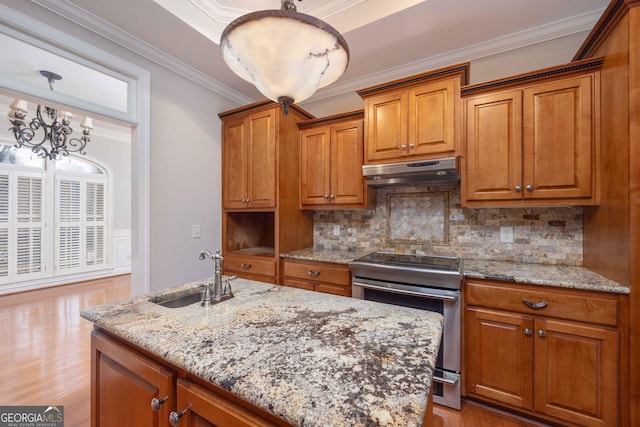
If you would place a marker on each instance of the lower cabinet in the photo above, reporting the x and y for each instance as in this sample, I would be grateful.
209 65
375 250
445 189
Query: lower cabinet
130 389
553 353
318 276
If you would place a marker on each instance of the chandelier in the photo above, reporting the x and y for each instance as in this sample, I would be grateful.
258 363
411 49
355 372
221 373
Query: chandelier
287 55
55 133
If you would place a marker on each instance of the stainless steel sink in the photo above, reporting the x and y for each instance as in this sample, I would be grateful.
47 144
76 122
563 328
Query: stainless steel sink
179 299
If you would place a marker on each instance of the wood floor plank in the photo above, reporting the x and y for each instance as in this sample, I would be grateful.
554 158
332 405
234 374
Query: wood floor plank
45 354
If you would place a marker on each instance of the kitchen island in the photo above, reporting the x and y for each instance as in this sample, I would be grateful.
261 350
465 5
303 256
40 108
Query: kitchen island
297 357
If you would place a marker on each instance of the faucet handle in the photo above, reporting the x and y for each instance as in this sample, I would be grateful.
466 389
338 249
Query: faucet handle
226 291
218 255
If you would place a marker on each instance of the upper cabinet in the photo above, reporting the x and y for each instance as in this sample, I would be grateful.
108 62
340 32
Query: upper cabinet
414 118
533 144
331 155
249 160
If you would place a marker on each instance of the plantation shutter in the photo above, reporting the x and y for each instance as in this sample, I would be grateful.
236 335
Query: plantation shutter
95 224
29 225
68 230
4 224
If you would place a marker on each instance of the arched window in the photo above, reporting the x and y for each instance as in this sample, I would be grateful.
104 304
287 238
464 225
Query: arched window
71 195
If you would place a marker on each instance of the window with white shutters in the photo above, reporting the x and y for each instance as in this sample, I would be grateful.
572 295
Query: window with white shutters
22 225
71 196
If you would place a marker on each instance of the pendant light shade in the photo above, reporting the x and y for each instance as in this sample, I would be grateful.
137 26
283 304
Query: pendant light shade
287 55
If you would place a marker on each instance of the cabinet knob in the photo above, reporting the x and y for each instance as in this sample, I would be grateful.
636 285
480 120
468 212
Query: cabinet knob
326 196
541 333
246 266
411 146
156 403
174 417
518 189
332 196
529 187
528 332
403 146
313 273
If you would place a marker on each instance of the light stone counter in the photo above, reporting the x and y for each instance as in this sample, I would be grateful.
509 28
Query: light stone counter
309 358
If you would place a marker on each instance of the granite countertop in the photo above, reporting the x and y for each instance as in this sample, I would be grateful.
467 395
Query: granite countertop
309 358
532 274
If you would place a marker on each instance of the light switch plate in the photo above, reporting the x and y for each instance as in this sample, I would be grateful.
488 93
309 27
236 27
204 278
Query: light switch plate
195 231
336 230
506 234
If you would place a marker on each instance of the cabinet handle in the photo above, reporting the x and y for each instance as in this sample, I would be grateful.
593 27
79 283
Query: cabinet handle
174 417
313 273
518 189
541 333
529 187
534 305
528 332
246 266
156 403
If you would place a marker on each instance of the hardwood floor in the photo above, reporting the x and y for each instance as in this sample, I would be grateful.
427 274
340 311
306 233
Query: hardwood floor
45 354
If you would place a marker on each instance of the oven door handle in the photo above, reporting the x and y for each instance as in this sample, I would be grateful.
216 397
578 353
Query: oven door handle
407 292
444 380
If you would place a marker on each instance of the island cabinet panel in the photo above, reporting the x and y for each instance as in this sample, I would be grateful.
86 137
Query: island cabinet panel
533 145
317 276
523 353
123 385
204 408
261 214
414 118
331 157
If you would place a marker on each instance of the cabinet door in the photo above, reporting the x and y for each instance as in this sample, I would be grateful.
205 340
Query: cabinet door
386 118
315 165
203 408
493 154
432 117
559 139
235 163
347 183
575 371
262 159
499 349
123 385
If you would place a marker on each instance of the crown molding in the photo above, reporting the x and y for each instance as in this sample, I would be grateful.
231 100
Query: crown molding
521 39
97 25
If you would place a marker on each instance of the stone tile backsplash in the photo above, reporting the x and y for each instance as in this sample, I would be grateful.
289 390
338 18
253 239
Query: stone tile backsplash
430 220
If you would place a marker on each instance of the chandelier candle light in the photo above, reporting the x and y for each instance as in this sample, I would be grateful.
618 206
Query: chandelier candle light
287 55
55 133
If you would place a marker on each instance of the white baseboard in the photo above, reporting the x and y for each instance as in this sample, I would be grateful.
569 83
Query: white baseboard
31 285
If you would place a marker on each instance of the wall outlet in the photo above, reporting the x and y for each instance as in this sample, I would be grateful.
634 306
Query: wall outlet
506 234
336 230
195 231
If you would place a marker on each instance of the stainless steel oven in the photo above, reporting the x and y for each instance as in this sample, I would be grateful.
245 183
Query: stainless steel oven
423 282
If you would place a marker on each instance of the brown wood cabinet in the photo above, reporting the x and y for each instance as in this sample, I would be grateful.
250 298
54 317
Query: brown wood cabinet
552 353
331 156
261 214
534 144
124 383
414 118
317 276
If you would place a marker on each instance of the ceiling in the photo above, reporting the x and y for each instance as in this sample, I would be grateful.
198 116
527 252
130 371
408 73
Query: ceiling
382 35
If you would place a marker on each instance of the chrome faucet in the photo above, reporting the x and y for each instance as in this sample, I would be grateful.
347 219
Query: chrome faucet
216 294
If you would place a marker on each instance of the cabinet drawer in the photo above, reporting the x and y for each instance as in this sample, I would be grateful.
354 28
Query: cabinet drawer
575 305
265 267
317 272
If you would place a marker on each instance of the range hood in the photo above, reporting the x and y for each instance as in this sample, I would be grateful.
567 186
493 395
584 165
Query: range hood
422 172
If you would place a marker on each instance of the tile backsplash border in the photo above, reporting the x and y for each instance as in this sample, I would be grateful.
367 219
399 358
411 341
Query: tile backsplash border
550 235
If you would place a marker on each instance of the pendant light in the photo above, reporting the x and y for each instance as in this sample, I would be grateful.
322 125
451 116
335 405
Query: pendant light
287 55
